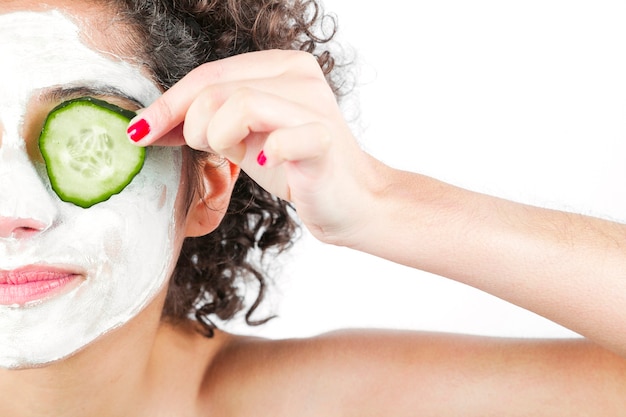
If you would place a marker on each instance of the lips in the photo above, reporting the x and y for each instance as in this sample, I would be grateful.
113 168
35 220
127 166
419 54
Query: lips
25 285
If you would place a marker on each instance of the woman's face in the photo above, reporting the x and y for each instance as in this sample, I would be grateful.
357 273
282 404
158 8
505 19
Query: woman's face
68 274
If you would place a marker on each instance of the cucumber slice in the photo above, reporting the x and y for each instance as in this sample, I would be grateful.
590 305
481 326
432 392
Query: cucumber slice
87 153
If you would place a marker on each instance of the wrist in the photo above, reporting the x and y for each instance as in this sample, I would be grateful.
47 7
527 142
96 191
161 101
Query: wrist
411 219
388 201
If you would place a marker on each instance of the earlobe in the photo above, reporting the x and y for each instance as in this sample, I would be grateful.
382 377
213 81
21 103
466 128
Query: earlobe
207 210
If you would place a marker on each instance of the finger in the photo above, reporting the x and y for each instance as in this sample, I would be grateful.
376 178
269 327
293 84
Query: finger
298 161
169 110
305 144
251 111
206 104
172 138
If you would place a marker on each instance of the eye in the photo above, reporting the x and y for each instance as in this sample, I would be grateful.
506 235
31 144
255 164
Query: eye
86 151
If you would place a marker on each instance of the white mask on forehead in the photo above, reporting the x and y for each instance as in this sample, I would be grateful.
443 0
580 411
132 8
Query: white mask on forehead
125 247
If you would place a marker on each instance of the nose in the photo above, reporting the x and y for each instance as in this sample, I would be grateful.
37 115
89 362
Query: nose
26 206
15 227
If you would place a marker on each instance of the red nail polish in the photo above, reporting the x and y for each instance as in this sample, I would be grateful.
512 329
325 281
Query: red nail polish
261 159
138 130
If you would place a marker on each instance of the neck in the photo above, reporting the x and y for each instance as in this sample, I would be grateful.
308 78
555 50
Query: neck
113 367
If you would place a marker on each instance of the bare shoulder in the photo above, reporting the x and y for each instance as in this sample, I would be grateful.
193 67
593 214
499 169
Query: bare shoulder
371 373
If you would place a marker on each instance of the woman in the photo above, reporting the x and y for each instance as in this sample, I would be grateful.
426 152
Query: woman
108 336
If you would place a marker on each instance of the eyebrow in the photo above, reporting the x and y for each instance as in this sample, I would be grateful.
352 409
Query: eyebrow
58 94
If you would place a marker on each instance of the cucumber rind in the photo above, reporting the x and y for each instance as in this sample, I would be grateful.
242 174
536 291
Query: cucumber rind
96 182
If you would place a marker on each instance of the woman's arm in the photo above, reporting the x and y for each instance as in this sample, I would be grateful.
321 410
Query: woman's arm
567 267
354 373
272 113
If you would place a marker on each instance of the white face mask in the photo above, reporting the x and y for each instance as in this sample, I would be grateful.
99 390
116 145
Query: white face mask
124 247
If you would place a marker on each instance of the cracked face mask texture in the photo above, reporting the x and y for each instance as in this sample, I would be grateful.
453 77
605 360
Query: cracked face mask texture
123 248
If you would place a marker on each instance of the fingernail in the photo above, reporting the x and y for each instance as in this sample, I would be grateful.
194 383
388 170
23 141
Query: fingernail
261 159
138 130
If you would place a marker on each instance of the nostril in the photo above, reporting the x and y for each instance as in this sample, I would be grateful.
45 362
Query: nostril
12 227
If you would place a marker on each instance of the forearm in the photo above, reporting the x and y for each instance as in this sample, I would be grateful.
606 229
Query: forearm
566 267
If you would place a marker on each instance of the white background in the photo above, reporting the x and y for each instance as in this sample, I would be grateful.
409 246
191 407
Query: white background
525 100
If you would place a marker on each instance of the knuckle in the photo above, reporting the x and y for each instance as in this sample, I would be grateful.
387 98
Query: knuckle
244 99
303 62
323 135
208 72
320 87
162 110
208 101
326 105
194 138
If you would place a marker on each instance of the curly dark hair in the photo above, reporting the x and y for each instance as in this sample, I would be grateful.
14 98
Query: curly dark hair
176 36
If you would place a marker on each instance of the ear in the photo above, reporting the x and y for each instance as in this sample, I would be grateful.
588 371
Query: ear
207 211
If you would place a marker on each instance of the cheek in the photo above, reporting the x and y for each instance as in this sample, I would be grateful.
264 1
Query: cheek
155 189
140 223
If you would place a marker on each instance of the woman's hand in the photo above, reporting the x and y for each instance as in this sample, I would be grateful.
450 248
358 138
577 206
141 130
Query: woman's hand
568 268
273 114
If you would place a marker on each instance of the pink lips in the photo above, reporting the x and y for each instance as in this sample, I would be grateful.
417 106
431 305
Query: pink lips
29 284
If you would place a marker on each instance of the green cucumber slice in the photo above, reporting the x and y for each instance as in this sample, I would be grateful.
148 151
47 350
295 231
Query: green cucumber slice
86 150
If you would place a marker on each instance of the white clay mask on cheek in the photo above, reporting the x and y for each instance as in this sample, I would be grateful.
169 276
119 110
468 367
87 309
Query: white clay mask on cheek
125 247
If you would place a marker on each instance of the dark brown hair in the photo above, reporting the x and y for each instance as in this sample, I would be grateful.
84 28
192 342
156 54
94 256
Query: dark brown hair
177 36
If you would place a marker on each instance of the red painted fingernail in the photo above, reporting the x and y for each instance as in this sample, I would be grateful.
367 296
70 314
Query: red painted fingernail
261 159
138 130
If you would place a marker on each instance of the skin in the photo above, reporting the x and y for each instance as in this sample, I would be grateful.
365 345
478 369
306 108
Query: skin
576 274
127 354
148 367
100 245
575 278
